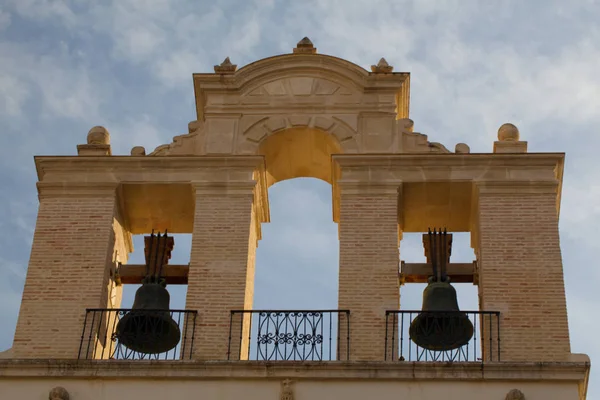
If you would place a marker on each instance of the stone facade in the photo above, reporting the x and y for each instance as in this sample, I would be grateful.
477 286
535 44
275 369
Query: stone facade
298 115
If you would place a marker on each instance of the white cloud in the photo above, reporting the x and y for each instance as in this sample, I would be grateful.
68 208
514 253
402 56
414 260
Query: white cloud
13 94
54 11
136 132
5 19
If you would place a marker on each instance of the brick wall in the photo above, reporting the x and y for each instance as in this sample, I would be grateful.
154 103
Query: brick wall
368 277
68 272
521 272
220 266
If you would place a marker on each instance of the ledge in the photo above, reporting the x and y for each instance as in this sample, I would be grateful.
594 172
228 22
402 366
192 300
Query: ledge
576 371
110 165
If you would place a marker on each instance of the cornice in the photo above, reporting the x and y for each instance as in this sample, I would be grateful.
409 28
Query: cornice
76 189
219 188
406 371
449 160
45 164
367 188
521 187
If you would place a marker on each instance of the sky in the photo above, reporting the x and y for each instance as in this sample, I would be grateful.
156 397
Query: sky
66 66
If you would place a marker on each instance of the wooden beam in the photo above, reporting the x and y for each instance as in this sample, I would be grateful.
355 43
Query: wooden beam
134 273
420 272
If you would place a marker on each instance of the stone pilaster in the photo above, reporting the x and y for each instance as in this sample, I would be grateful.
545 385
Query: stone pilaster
369 258
221 276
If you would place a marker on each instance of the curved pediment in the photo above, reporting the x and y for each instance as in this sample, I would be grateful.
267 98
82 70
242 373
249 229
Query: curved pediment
363 111
324 79
331 68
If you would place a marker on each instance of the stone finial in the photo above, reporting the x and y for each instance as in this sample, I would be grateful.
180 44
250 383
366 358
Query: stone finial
98 135
509 141
226 67
462 148
98 143
382 67
508 133
287 393
138 151
515 394
305 46
58 393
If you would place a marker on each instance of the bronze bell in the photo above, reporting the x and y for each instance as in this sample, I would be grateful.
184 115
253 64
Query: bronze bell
148 328
440 326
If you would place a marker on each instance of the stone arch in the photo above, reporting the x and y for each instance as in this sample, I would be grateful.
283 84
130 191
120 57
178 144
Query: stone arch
299 152
341 129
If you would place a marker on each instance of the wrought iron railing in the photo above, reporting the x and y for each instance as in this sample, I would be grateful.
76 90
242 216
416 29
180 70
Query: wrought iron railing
290 335
484 345
99 339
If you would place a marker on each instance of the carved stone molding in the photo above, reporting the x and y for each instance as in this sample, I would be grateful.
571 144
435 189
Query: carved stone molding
515 394
287 391
58 393
76 189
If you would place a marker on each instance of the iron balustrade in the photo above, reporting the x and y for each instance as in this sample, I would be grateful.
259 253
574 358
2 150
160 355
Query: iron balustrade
99 340
483 346
289 335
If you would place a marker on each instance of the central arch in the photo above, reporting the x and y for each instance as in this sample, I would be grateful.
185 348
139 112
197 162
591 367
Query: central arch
299 153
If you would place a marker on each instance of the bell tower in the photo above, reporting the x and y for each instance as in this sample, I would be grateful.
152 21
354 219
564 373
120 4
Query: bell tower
301 114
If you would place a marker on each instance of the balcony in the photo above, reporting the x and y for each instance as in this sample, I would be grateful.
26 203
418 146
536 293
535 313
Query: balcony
100 338
484 345
289 335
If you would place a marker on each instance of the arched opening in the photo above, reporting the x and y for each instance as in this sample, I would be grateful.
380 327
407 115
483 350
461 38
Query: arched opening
177 292
298 257
412 251
299 153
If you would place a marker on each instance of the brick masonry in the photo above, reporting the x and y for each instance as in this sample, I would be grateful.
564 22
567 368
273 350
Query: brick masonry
221 267
72 252
521 273
368 278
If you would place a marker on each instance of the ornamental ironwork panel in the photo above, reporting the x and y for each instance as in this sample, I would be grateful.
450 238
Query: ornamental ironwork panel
483 346
289 335
99 339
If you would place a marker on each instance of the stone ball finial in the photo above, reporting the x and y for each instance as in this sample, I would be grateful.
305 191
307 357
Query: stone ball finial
58 393
508 133
138 151
462 148
98 135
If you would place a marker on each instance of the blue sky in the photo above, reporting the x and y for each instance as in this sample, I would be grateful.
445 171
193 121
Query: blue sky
66 66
